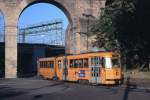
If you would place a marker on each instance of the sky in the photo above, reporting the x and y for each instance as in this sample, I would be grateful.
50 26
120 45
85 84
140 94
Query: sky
41 12
1 27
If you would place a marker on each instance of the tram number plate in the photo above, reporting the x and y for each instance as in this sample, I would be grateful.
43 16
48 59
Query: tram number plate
82 73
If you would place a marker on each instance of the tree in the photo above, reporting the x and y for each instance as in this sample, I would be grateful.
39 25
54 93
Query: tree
104 30
117 29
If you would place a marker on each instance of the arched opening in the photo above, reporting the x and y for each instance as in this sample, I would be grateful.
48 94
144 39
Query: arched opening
41 33
2 45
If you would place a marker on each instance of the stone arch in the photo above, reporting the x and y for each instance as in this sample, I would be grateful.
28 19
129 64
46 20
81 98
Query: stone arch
24 6
73 9
62 5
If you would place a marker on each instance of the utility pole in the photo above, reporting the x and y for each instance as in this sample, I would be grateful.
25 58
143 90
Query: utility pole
149 62
46 29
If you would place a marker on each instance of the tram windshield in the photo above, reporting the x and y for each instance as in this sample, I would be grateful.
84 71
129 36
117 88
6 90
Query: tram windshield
115 62
112 62
108 62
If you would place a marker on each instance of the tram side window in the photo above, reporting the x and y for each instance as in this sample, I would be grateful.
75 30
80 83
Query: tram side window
59 64
80 62
76 63
71 63
85 63
96 61
51 64
48 64
100 61
44 64
41 64
103 62
92 62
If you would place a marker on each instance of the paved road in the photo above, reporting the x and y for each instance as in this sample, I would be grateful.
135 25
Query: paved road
35 89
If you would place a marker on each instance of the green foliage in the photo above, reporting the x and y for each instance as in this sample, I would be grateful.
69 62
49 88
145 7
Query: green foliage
104 29
117 29
113 23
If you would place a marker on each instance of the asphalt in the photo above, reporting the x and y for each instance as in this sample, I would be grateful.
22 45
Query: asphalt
38 89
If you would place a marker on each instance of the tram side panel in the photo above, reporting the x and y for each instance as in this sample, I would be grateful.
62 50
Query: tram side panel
51 69
72 70
113 74
43 68
78 69
46 69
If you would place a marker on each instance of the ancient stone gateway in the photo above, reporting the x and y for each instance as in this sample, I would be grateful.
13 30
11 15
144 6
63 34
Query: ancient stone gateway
77 11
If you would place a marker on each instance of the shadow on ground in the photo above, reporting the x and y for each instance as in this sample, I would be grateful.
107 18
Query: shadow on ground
7 92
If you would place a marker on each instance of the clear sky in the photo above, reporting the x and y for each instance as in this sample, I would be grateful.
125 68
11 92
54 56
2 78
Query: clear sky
1 27
41 12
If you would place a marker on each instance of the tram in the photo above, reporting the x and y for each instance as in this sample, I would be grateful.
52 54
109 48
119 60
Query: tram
96 68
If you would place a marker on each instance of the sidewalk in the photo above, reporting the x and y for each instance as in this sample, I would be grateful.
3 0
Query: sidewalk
138 79
141 83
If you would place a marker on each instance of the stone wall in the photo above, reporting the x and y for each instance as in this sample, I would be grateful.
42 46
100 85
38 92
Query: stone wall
74 10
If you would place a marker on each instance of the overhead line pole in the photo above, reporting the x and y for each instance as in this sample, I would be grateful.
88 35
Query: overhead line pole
41 28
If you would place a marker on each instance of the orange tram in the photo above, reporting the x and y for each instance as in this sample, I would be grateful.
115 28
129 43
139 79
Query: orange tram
97 68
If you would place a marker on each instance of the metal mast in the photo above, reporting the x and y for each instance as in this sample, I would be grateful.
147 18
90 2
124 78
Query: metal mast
47 30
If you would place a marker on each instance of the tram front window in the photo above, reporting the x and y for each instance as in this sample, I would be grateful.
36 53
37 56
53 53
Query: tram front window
108 62
115 62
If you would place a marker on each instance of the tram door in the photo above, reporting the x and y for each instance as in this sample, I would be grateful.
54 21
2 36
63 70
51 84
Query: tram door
65 70
95 70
